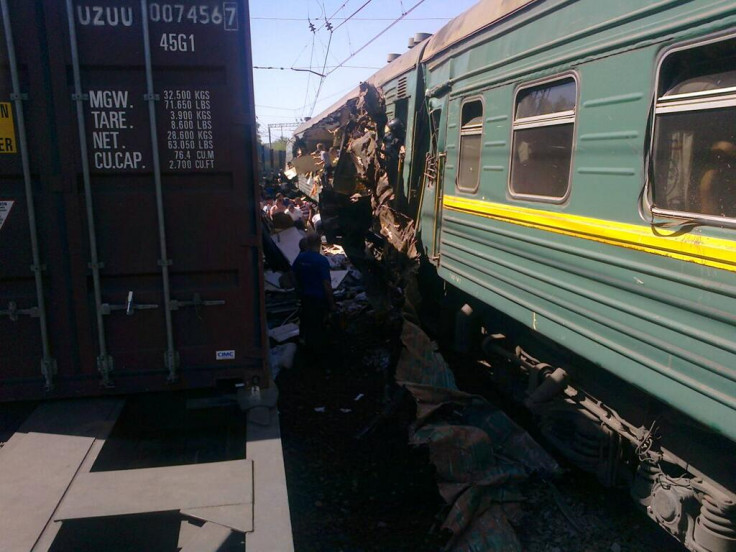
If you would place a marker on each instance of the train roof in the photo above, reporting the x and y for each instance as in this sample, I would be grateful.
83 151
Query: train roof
484 14
399 66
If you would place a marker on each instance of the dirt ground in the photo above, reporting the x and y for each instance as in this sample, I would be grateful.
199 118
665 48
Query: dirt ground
353 489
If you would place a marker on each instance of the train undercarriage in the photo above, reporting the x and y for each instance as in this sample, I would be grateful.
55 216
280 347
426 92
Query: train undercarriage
606 427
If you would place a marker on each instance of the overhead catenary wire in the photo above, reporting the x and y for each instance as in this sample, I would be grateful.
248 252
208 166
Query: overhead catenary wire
322 78
341 92
302 69
309 76
329 69
349 17
351 56
301 19
307 69
327 52
328 19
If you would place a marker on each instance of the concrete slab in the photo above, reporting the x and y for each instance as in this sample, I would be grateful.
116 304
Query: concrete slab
187 531
34 475
39 462
237 518
208 538
113 493
271 517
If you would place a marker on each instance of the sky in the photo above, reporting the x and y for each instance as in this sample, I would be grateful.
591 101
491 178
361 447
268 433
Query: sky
281 38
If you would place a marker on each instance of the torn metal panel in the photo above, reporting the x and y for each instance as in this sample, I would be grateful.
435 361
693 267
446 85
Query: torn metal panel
288 242
336 114
345 178
400 232
479 453
304 164
284 332
337 276
273 255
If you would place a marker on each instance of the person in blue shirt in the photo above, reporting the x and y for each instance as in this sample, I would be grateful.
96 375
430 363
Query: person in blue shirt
314 288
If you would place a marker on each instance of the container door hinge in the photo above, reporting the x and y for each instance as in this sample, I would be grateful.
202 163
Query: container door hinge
13 312
152 97
129 306
22 97
80 97
105 366
49 369
196 302
172 361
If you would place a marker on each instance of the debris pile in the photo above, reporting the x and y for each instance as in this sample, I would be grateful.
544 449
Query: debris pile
283 308
480 455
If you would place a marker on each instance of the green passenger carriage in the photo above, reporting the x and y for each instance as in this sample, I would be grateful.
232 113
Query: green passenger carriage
572 169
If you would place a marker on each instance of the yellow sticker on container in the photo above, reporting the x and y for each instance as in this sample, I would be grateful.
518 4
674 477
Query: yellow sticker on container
7 129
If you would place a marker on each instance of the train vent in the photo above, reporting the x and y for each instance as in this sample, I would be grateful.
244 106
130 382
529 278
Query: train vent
402 88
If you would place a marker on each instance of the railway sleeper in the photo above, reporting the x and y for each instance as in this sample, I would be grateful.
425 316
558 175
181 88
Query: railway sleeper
690 505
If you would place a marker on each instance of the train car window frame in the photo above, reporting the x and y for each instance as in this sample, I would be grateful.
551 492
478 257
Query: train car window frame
541 121
685 181
472 129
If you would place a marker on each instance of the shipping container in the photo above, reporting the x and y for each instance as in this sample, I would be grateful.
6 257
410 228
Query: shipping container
130 250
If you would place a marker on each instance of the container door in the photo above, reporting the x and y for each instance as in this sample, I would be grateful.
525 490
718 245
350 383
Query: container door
159 103
35 336
145 137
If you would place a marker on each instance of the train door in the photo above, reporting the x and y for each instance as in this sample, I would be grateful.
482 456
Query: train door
432 182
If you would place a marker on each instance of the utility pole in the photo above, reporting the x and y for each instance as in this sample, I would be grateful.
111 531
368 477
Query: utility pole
270 146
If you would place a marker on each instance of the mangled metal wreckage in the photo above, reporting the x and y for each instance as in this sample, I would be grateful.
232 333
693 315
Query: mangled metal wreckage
479 453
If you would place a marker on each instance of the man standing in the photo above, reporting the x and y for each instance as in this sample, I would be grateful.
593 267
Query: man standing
314 288
324 162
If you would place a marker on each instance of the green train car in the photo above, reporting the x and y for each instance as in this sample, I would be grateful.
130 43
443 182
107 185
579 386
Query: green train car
572 169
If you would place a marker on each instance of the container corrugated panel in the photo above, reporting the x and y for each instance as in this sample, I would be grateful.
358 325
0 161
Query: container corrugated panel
129 239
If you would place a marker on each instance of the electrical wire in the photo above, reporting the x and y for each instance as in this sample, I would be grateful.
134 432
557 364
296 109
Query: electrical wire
329 19
349 17
322 78
307 69
309 75
375 37
302 20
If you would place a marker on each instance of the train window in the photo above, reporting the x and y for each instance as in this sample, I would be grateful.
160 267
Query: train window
694 155
544 121
471 132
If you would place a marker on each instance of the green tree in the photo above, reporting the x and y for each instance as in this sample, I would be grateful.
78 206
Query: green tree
280 144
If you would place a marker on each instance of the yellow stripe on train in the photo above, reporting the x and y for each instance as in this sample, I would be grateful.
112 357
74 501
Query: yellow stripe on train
713 252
